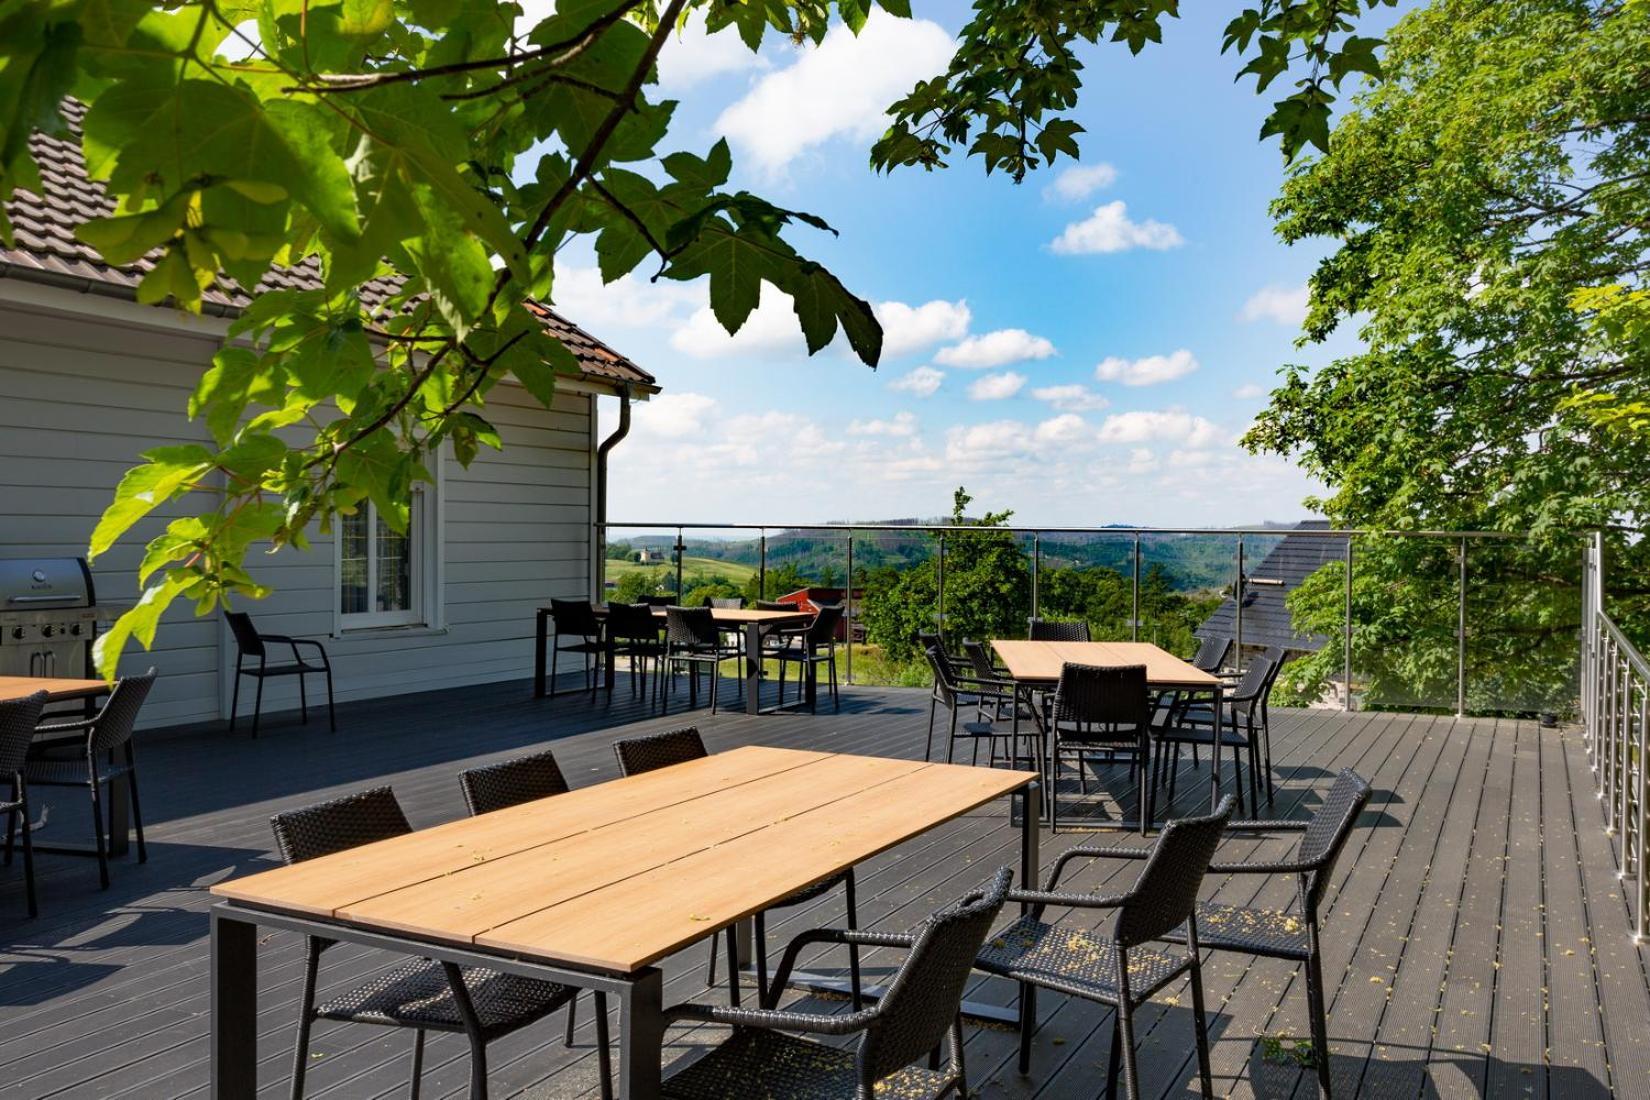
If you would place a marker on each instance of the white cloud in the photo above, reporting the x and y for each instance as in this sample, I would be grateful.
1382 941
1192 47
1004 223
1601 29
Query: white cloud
693 55
841 88
1141 461
1148 371
1063 430
673 415
923 381
995 387
1159 426
1285 305
969 444
909 328
771 330
1071 398
995 349
627 302
1109 229
1249 391
1080 181
899 425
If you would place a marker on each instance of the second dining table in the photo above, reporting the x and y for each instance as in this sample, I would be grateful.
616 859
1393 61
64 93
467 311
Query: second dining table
594 887
66 689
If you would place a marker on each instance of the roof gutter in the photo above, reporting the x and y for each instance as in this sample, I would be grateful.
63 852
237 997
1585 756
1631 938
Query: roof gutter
607 445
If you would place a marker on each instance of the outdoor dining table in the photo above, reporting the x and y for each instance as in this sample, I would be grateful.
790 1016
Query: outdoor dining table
592 888
755 623
60 689
1035 666
57 689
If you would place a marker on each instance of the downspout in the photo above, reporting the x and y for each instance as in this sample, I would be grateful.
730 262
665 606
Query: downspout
600 529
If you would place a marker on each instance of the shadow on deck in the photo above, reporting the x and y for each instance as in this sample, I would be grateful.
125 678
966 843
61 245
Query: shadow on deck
1476 937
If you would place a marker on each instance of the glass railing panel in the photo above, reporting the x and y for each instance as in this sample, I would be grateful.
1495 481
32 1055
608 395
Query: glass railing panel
1089 576
1523 616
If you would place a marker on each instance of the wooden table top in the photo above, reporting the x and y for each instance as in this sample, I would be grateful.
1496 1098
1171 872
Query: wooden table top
1040 662
58 689
616 876
739 616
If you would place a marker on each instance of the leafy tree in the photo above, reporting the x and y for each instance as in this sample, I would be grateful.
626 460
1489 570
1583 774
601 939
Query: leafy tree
1486 202
381 141
638 583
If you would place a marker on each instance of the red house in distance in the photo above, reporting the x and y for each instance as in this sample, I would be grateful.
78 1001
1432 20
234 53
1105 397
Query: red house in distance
812 599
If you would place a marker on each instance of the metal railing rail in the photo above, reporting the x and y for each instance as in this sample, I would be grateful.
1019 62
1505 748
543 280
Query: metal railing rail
1615 707
1461 541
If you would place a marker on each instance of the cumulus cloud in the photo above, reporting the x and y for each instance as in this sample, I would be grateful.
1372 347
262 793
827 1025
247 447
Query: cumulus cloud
923 382
1159 426
1109 229
1071 398
1148 371
841 88
995 349
627 302
995 387
1249 391
1063 430
1285 305
1080 181
673 415
770 330
694 55
910 328
899 425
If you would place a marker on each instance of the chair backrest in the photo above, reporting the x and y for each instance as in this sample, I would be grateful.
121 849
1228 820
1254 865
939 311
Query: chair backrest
921 1002
1058 630
824 627
18 717
339 824
981 660
945 682
246 635
1326 834
575 618
1089 695
632 622
774 605
512 782
660 750
659 601
1211 652
1255 679
1165 895
691 626
113 725
725 603
927 639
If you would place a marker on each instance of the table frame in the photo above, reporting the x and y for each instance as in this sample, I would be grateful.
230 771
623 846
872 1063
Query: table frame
640 993
119 839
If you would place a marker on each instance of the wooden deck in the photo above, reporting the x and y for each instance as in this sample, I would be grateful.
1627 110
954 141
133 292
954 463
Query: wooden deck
1477 937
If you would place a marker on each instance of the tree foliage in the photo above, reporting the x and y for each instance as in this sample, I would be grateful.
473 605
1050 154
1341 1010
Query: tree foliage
427 159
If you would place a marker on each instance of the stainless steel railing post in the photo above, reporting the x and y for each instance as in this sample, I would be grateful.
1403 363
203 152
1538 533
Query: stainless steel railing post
1346 630
1461 636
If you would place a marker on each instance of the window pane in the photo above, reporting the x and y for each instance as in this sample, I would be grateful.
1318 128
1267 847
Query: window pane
394 570
352 588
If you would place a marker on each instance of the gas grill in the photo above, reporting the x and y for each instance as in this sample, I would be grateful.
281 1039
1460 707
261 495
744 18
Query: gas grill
48 616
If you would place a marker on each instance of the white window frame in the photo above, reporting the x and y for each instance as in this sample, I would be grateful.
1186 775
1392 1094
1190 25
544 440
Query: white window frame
425 552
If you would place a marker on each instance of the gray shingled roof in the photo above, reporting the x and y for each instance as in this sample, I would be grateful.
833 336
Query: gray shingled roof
1266 620
47 251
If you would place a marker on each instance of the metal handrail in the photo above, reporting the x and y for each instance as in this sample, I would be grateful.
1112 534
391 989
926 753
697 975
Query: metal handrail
1046 529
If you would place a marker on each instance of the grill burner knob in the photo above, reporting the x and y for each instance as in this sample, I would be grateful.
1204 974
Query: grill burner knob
16 632
47 630
75 629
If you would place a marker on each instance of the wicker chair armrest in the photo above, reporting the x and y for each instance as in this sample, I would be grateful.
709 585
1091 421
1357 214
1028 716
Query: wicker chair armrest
814 1023
1092 853
77 726
1266 826
1282 867
1066 899
858 937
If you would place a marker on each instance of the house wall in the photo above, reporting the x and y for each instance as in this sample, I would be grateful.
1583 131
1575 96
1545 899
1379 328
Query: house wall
86 384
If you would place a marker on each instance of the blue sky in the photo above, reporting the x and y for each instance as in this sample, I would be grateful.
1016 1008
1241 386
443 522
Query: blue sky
1083 348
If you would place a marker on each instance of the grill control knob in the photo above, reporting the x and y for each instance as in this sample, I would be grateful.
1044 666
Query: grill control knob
16 632
47 630
75 629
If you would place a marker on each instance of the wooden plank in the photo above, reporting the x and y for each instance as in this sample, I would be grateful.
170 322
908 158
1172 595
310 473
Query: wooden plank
472 900
640 920
322 887
1040 662
58 689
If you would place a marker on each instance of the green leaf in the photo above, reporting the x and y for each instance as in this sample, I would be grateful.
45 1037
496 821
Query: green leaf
169 472
140 622
365 18
225 389
736 266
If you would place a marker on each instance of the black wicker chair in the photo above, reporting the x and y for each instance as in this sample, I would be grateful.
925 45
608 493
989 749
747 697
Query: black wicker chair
725 603
633 630
774 605
1116 970
809 649
1002 700
1057 630
18 718
92 753
420 994
579 631
1211 653
1292 934
251 644
914 1017
692 639
511 783
1100 710
957 695
662 750
927 639
1193 726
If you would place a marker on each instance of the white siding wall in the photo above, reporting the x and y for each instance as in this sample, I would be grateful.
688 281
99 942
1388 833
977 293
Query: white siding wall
81 396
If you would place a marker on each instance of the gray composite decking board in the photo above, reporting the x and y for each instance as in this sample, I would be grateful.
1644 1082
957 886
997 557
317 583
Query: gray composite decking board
1472 792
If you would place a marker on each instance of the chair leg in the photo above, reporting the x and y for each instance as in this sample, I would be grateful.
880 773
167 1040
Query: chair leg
234 700
853 949
11 823
604 1057
300 1054
572 1017
417 1063
332 714
28 845
478 1068
1131 1075
97 835
957 1058
733 967
1028 1023
1319 1021
759 948
928 747
257 707
715 949
1114 1061
951 737
137 813
1200 1026
715 670
303 698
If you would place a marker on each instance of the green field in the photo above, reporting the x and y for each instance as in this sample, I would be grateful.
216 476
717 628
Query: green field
731 571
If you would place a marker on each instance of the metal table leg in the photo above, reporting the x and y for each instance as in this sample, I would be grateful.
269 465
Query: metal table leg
1220 729
641 1035
542 629
234 1008
753 668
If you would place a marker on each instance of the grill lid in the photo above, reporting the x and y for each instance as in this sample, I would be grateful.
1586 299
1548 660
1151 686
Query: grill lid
45 583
